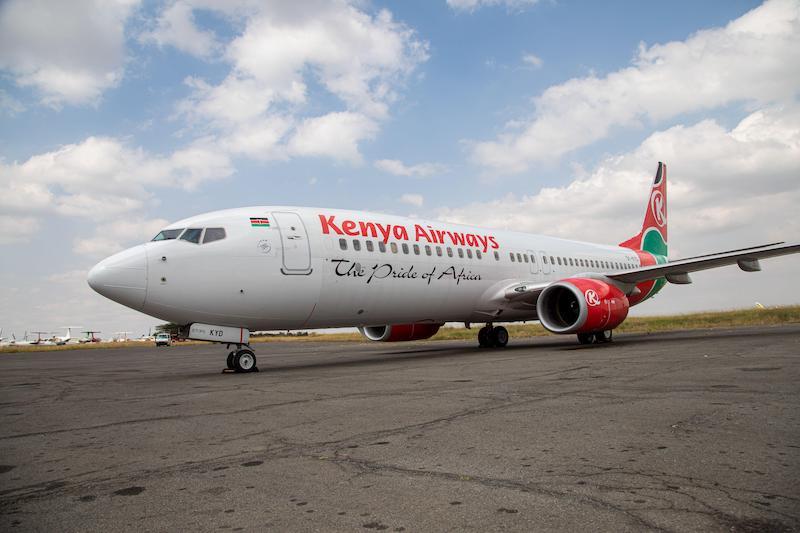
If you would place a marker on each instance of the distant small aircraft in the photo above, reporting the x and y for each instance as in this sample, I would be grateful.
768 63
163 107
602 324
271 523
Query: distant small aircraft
121 336
68 338
40 341
222 274
90 336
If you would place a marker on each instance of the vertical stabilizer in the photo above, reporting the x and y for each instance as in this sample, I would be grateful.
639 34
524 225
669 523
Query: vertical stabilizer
650 244
653 236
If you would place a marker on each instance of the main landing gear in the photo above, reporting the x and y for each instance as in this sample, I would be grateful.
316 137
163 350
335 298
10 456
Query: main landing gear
599 337
492 337
243 359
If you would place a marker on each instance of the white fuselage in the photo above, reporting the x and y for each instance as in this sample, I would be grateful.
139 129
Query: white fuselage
298 267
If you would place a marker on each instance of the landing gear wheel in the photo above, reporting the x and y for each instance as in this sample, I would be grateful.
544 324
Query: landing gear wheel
602 337
586 338
485 337
244 361
229 362
499 336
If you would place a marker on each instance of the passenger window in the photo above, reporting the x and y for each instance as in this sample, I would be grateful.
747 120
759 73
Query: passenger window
382 246
559 260
497 256
511 255
370 246
214 234
544 258
168 234
439 251
552 260
416 249
192 235
461 253
525 257
427 250
469 253
356 245
449 252
343 244
570 262
533 258
405 248
478 254
393 247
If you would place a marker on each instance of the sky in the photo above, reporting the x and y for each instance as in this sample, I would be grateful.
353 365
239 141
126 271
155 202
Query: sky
119 116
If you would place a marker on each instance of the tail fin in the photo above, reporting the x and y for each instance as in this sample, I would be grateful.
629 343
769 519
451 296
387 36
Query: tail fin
653 236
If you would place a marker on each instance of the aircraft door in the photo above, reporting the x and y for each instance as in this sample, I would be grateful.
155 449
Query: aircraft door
534 264
295 244
545 262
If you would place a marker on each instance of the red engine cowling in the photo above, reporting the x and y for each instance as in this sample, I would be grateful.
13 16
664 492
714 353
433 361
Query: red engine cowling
400 332
581 305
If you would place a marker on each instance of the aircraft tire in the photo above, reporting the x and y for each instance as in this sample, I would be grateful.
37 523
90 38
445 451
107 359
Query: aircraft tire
485 337
244 361
499 337
602 337
229 361
586 338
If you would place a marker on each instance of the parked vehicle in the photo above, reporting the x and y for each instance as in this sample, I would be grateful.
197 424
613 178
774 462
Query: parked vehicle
163 339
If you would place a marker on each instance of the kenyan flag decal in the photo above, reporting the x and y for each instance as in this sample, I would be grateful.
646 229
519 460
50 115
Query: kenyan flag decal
259 222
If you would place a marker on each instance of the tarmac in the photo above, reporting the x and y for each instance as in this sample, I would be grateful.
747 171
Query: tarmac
682 431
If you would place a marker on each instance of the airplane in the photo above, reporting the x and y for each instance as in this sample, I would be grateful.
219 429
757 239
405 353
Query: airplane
90 337
40 341
24 342
66 339
225 273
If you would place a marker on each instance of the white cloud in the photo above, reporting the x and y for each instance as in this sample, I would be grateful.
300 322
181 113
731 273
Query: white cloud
532 60
727 188
472 5
17 228
335 135
746 61
421 170
102 177
262 109
71 52
412 199
176 27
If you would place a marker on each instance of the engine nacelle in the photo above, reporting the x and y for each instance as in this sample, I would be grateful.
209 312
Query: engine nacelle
400 332
581 305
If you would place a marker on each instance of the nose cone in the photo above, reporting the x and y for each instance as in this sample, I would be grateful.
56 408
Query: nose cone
122 277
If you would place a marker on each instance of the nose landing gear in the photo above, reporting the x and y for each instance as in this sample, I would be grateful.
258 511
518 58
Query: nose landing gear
492 337
241 360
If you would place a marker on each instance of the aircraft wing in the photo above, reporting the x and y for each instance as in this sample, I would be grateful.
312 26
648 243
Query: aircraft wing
678 271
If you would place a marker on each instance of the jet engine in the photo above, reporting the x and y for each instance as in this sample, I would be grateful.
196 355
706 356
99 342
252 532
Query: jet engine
399 332
581 305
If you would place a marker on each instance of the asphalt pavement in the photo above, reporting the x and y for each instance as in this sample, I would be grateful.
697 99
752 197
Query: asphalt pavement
683 431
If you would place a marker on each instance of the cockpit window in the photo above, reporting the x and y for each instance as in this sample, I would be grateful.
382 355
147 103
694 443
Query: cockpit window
192 235
168 234
214 234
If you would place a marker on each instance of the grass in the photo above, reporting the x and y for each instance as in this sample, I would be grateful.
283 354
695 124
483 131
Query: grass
651 324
